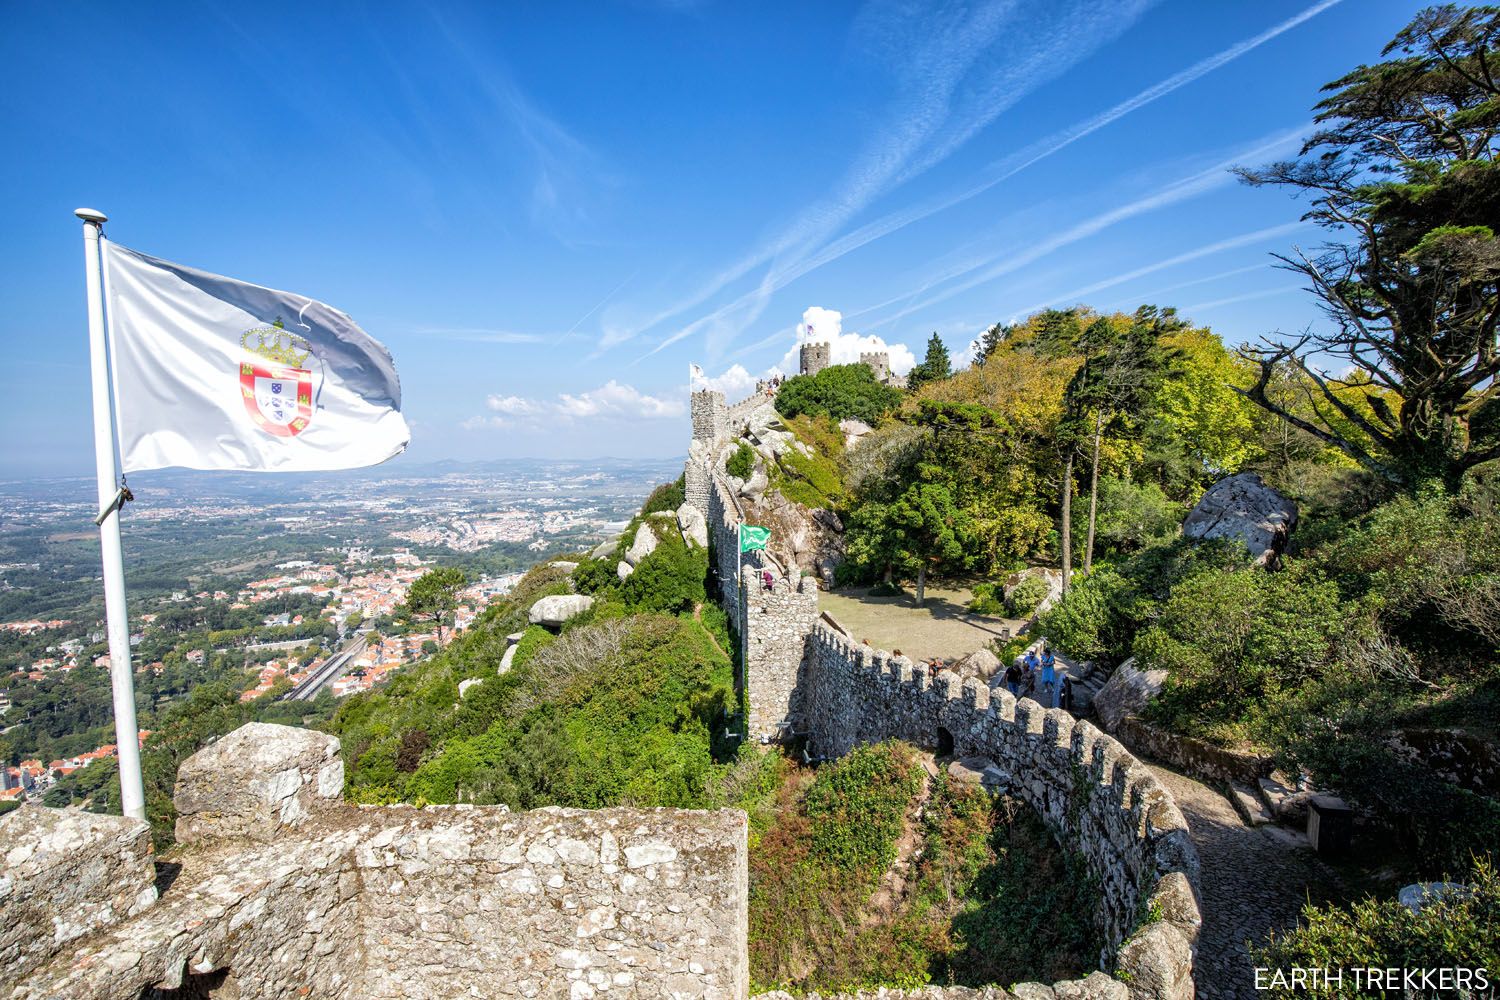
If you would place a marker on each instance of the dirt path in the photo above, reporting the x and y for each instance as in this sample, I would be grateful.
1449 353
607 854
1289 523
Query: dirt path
1255 880
887 898
943 626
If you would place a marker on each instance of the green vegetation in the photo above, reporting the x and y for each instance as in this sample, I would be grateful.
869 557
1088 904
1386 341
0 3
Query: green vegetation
934 365
838 391
432 598
986 895
1457 930
1026 597
742 463
815 480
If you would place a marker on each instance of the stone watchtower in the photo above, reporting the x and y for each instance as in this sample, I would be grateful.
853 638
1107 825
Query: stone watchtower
815 357
709 417
879 363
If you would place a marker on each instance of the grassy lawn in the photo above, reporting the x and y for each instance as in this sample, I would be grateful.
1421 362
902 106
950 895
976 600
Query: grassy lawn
941 627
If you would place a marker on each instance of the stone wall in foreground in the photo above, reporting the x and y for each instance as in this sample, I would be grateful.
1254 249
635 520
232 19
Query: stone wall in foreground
1095 796
285 891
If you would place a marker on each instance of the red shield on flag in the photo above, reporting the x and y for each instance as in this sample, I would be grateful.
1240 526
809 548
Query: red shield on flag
278 398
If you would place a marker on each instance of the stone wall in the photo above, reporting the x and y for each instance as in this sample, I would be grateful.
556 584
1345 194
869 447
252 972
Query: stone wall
67 874
1095 796
777 624
328 900
707 410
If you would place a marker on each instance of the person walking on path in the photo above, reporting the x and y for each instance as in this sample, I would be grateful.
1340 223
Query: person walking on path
1013 679
1049 678
1065 692
1031 664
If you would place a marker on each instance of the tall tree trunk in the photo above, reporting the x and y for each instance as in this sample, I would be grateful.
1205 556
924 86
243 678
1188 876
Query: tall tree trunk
890 573
1088 550
921 583
1067 523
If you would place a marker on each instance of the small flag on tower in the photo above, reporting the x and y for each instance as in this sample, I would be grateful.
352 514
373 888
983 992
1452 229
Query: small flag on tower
753 538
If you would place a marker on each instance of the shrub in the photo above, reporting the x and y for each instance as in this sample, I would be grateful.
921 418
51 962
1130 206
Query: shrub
596 576
986 600
1459 930
1092 621
1026 596
741 464
667 496
669 579
838 391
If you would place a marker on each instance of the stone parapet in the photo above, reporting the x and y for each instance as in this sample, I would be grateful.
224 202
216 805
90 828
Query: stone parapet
67 874
1097 798
258 782
392 903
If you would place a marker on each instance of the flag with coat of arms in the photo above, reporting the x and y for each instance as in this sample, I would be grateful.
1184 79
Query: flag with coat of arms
214 373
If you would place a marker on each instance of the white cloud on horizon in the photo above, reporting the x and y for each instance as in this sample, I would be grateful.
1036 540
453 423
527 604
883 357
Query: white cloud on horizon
611 401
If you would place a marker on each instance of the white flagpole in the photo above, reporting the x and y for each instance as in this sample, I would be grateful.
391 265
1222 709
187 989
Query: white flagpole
117 622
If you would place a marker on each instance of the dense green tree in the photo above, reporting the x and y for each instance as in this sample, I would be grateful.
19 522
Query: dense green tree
934 367
838 391
433 597
1404 171
926 530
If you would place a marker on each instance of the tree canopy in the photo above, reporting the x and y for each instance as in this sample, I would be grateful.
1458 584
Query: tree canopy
838 391
1403 173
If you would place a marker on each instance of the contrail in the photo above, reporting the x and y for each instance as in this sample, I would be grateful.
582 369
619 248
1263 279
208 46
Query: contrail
999 171
1264 294
1233 242
569 332
1155 292
1189 187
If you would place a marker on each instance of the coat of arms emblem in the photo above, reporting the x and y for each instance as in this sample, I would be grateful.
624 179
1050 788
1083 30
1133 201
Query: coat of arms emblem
277 388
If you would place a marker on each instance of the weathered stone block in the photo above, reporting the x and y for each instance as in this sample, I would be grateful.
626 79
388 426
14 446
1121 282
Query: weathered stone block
257 782
67 873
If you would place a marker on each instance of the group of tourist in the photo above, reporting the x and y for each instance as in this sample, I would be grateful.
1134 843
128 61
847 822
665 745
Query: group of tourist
1031 671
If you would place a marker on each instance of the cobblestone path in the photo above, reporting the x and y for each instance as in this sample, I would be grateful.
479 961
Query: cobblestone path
1255 879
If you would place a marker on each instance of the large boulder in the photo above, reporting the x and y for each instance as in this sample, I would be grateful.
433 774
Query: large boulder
693 524
1126 693
980 664
1245 510
643 545
853 431
553 611
1052 577
604 548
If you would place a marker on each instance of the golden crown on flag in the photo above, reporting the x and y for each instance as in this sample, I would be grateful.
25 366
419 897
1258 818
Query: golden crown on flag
277 344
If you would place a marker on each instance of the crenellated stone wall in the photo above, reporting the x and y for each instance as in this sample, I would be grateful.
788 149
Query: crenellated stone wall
292 892
1096 797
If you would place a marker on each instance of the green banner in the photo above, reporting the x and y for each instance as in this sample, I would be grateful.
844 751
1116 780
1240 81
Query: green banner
752 538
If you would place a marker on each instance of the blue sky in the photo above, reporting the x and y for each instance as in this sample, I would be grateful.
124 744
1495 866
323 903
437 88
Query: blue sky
547 211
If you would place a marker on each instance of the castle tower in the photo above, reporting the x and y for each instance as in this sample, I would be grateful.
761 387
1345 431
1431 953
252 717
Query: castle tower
709 418
815 357
879 363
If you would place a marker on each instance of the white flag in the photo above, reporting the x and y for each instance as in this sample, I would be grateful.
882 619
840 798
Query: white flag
213 373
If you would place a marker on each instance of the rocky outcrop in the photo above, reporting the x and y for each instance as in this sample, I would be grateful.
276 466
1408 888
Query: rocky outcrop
853 431
1052 577
1243 509
693 525
555 610
1127 692
642 546
623 569
980 664
604 548
508 660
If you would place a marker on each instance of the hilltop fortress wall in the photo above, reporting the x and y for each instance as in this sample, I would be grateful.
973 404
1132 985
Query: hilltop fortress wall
805 678
282 889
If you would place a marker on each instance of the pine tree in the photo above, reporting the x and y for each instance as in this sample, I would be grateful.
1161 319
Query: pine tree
935 366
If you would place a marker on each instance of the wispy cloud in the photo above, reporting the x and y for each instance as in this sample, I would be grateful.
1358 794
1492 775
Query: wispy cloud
563 168
481 335
1248 296
1156 293
969 276
728 319
1219 246
957 68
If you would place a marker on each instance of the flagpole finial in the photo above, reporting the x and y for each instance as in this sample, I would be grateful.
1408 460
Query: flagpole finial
91 215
